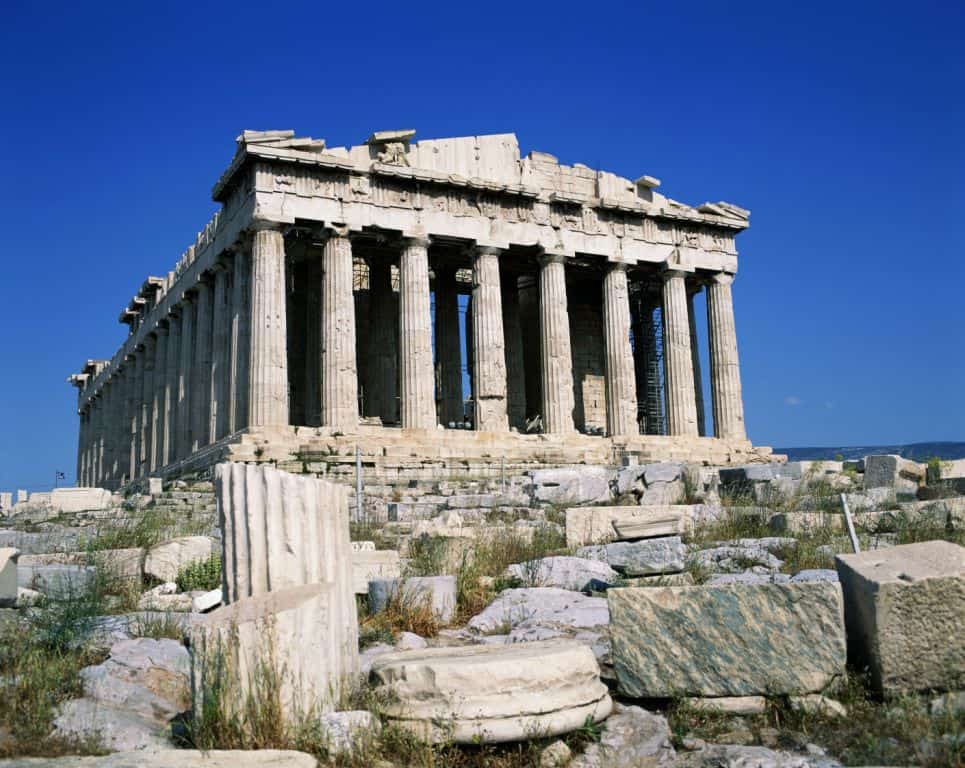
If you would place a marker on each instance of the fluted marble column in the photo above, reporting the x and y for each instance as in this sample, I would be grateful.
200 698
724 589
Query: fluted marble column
96 412
185 377
448 352
339 370
268 362
170 398
112 388
621 391
133 401
105 398
240 340
556 360
677 357
201 382
692 291
725 374
147 401
157 406
489 345
81 471
220 341
383 343
515 366
415 337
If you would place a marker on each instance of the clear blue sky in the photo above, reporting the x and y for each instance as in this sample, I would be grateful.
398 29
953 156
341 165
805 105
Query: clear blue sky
840 125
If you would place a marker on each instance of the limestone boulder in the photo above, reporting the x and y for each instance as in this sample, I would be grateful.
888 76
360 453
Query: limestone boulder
8 576
143 676
117 730
492 694
540 607
130 698
640 558
164 597
890 471
438 592
572 485
120 563
766 639
631 738
733 756
174 758
905 613
562 571
164 561
346 733
58 582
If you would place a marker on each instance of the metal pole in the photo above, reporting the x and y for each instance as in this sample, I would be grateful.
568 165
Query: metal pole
847 518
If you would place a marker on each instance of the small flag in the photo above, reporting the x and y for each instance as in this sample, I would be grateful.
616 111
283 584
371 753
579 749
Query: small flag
61 475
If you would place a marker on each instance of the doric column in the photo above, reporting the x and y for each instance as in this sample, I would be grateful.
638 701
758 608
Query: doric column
489 346
147 402
133 400
339 372
95 409
556 360
515 367
621 394
105 440
201 382
693 290
240 340
185 375
470 354
170 399
448 352
415 336
81 473
220 341
114 405
725 374
677 358
268 341
157 406
383 369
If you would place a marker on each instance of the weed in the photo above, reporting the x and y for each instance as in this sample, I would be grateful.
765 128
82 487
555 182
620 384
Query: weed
157 625
200 574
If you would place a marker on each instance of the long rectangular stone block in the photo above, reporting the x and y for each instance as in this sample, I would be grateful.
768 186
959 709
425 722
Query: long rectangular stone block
737 640
600 525
79 499
905 614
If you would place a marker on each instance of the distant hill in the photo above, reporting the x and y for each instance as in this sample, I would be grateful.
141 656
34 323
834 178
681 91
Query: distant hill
915 451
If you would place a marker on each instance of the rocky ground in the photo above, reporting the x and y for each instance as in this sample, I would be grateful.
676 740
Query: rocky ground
92 660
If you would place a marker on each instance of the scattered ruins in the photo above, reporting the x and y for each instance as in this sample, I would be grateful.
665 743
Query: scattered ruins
319 311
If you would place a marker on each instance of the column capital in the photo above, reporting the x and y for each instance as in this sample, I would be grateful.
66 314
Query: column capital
416 241
551 258
487 250
266 225
669 273
616 266
722 278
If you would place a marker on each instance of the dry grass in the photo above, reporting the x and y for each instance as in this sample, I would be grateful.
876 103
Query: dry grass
41 653
406 611
898 731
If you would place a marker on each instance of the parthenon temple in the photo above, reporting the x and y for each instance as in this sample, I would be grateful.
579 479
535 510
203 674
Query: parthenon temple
443 303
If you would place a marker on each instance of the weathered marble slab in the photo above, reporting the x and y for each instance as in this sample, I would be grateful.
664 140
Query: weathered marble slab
746 640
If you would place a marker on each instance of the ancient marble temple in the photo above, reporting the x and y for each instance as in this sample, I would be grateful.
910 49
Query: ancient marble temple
444 300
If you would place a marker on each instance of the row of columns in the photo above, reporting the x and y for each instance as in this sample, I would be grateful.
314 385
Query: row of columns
219 360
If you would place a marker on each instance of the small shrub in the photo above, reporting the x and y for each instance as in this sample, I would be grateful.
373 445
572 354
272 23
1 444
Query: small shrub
201 574
157 625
